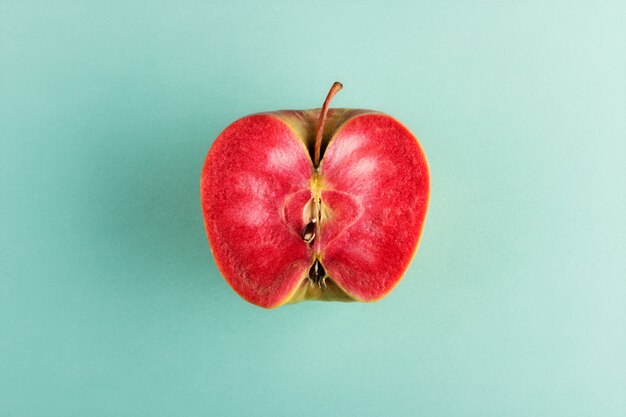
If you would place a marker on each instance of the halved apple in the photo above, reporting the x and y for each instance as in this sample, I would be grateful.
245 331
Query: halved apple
314 204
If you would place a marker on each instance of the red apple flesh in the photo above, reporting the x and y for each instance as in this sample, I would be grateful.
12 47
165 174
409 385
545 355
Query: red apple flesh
321 204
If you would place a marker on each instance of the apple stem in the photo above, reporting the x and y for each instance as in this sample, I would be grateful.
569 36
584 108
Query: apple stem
320 124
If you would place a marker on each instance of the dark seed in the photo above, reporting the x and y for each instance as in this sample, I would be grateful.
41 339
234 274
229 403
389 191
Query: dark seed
319 211
308 233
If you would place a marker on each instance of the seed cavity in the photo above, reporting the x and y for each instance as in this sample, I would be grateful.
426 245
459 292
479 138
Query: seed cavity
317 274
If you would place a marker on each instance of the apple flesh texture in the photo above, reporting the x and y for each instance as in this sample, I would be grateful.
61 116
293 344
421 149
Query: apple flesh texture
257 187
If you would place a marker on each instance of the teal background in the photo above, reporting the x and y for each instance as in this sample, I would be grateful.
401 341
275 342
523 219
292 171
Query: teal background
111 303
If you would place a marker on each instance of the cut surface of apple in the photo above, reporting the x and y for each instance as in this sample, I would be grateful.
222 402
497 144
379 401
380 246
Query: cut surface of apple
315 204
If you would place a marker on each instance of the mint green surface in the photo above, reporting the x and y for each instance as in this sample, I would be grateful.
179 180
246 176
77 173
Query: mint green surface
110 300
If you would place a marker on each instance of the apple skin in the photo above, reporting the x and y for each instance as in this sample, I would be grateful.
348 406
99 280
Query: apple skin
259 188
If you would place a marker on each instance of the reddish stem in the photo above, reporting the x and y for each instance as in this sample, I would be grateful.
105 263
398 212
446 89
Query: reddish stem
320 124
